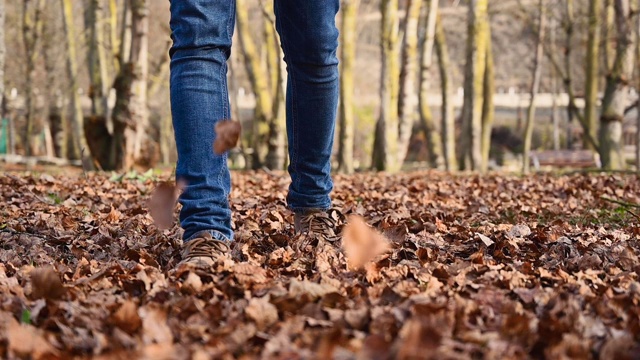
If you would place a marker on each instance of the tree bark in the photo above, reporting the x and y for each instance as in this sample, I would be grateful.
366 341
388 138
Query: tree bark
32 23
408 99
2 56
448 114
488 108
591 87
97 59
130 115
259 85
535 84
637 139
276 68
471 156
385 153
616 96
347 116
432 135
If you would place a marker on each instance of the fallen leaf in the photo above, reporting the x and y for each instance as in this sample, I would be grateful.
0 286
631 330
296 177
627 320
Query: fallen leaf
487 241
25 341
127 318
227 135
361 243
163 201
154 325
46 284
262 312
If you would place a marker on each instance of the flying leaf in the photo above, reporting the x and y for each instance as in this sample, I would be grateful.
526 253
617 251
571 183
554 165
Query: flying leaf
227 135
361 243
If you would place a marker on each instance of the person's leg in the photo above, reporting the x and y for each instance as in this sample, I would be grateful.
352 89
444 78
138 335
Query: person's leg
201 31
310 40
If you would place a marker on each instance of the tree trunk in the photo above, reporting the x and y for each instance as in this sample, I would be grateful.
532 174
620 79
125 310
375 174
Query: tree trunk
130 112
32 24
276 68
432 135
347 117
114 42
97 59
79 148
616 96
591 89
488 108
471 156
535 84
555 117
448 112
408 99
259 83
2 56
608 43
637 139
385 153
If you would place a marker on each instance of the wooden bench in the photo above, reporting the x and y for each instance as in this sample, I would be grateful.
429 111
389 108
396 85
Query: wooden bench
565 158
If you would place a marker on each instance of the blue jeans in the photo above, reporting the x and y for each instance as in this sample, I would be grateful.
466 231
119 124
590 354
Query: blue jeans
201 33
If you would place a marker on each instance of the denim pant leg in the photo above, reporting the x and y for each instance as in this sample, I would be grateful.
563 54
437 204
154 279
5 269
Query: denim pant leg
310 40
201 33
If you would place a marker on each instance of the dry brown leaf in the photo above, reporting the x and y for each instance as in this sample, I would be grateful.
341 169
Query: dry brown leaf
361 243
127 318
262 312
163 201
46 284
25 341
154 325
227 135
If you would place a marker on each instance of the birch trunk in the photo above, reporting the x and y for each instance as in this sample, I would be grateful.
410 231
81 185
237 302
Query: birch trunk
259 85
97 59
448 111
616 96
591 90
471 157
408 99
385 153
347 116
535 84
130 116
488 109
432 135
32 30
79 142
2 56
276 68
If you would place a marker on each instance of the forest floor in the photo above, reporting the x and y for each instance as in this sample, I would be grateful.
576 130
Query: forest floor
493 267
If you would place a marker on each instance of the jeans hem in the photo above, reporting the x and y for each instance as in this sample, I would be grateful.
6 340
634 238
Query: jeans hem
214 233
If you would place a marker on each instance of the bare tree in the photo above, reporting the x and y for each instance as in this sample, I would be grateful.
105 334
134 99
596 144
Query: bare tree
591 89
130 112
32 24
432 135
535 84
79 141
616 94
408 99
259 84
488 108
347 117
2 55
471 155
448 116
385 152
97 59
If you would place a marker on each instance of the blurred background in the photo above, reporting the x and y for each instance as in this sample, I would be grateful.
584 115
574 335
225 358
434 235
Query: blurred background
478 85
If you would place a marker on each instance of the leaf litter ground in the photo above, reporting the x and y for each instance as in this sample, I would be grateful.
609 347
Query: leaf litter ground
478 267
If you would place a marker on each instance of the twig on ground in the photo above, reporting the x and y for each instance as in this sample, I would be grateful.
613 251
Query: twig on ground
620 202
